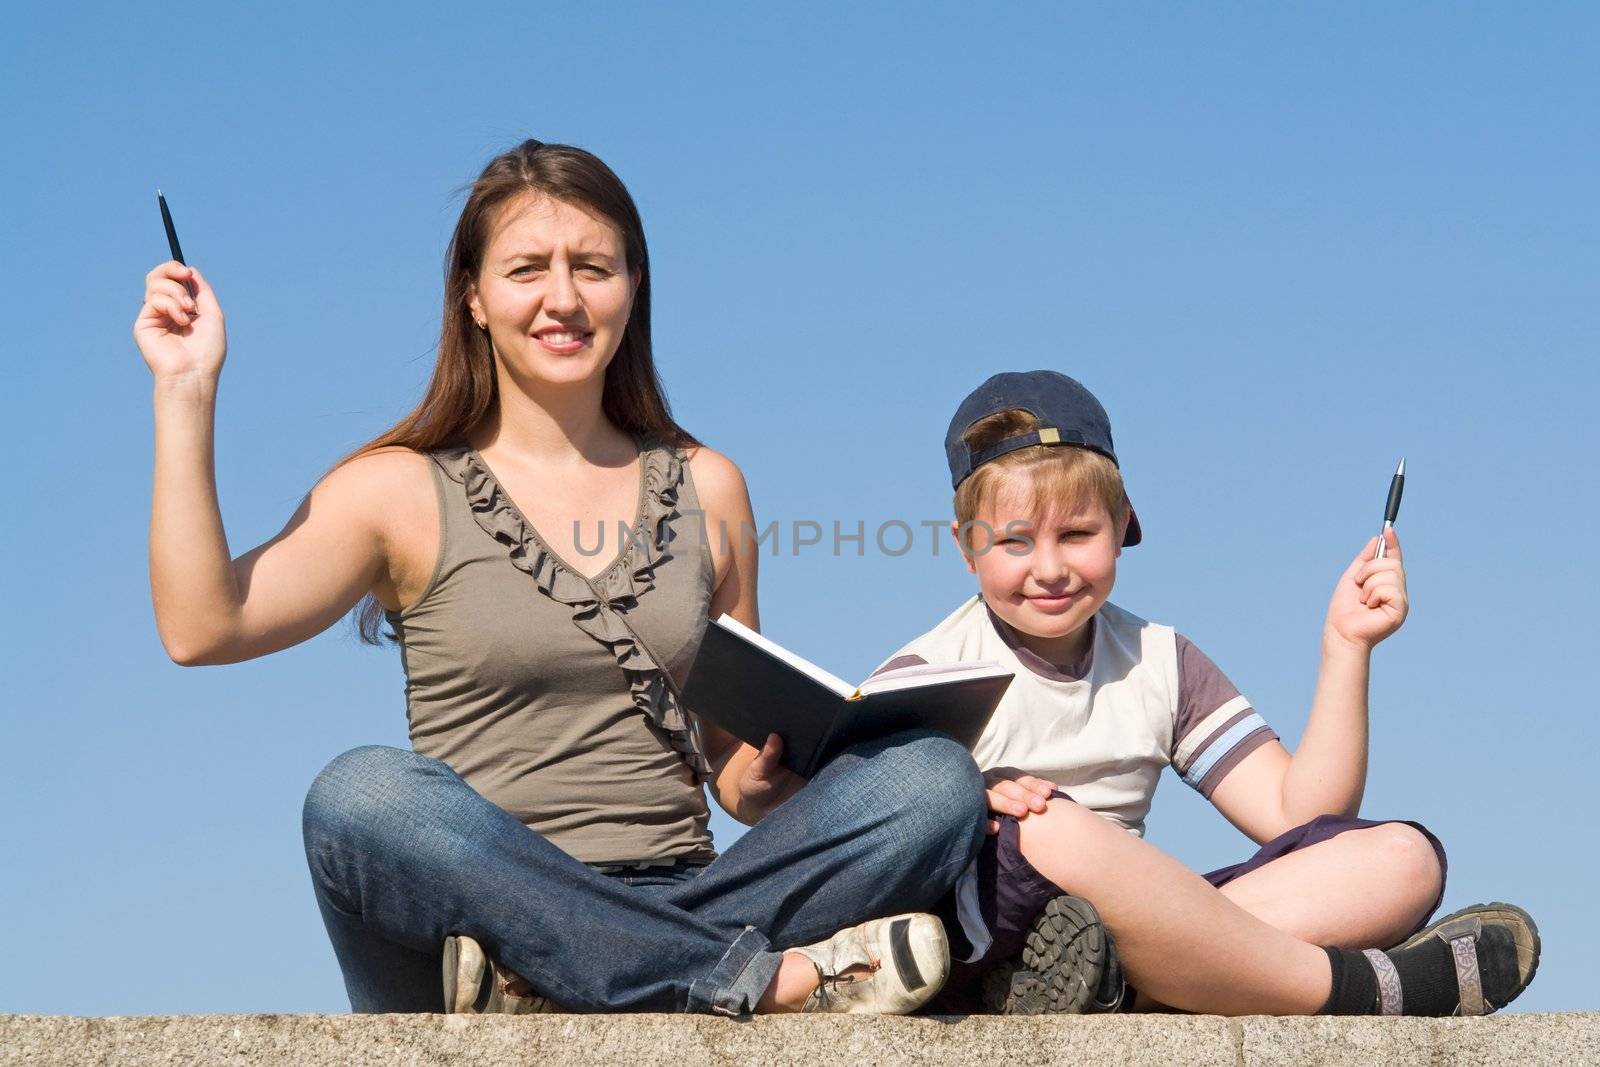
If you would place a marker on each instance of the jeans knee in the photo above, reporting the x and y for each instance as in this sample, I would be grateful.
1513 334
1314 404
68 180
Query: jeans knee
935 780
347 793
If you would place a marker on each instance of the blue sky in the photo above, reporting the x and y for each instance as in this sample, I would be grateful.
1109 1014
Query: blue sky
1285 245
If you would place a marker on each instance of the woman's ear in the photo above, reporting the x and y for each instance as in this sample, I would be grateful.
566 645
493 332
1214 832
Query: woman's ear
475 306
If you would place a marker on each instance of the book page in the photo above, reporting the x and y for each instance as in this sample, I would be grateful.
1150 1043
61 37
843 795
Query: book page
777 651
920 674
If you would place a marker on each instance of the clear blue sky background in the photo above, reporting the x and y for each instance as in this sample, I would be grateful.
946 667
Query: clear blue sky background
1286 244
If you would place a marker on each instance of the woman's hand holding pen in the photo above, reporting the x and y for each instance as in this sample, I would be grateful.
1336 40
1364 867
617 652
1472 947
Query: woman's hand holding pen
181 337
1369 602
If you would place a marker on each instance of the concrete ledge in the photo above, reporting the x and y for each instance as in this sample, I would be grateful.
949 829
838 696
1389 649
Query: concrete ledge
703 1041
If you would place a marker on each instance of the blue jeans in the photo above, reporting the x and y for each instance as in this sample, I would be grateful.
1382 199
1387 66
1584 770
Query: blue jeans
404 853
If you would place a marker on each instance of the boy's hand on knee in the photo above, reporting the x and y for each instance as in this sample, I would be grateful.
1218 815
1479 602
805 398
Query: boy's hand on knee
1010 792
1370 601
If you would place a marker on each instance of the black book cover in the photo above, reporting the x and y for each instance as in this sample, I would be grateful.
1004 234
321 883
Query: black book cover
751 693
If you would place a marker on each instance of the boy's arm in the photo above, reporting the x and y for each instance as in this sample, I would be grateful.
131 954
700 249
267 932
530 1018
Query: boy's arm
1271 791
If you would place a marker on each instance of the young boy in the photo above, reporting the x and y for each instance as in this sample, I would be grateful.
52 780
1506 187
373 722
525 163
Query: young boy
1102 700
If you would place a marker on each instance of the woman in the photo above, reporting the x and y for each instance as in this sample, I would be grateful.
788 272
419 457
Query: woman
550 816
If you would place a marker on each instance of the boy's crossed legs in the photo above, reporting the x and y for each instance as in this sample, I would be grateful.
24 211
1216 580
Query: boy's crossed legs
1186 944
1369 887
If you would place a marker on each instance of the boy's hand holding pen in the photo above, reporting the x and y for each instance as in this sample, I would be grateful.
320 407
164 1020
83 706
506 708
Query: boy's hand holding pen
1370 602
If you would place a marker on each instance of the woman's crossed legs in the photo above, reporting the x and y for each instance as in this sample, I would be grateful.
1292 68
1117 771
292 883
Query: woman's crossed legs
403 853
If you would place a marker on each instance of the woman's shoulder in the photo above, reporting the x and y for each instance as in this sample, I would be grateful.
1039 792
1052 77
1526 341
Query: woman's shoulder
717 479
385 484
377 470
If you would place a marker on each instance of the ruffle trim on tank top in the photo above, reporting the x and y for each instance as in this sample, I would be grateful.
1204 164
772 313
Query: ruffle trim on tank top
597 603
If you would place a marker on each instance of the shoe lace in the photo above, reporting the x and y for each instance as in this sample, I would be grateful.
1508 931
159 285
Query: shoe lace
827 982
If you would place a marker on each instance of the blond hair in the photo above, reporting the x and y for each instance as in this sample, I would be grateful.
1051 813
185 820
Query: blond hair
1057 475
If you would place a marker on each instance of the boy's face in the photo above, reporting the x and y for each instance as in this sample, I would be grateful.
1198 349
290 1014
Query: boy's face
1047 568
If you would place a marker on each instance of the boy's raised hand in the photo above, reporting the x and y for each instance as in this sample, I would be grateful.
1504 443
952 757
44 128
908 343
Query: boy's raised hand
1370 602
1010 792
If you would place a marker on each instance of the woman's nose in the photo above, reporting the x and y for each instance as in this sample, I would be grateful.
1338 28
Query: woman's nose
561 297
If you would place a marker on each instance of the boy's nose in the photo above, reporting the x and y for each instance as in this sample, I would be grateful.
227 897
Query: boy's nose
1048 566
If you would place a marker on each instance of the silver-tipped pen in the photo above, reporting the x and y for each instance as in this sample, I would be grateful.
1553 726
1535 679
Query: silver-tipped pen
1391 507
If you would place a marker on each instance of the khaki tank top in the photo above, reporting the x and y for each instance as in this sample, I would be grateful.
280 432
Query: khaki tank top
549 692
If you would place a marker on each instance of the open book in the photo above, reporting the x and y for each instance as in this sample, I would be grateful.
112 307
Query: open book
752 686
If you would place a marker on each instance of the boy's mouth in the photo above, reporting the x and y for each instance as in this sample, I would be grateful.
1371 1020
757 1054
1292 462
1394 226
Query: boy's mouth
1051 602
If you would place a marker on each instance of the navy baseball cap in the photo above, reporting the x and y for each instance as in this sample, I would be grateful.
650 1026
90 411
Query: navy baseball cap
1067 413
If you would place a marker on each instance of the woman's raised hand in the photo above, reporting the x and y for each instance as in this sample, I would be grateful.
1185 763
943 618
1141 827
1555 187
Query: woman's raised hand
180 335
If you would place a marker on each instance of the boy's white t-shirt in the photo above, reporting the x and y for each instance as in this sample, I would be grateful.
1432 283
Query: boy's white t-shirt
1102 730
1143 699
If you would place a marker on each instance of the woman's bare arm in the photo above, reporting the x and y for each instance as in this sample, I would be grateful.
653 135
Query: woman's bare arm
748 782
211 608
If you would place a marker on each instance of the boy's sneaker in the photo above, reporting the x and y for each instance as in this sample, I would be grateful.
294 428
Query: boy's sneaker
1068 966
474 984
906 960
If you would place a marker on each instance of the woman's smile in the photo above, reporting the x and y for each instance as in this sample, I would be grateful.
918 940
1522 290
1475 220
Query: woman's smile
564 342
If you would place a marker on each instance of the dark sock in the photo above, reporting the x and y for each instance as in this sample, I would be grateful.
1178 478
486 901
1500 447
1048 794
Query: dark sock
1354 990
1427 974
1427 978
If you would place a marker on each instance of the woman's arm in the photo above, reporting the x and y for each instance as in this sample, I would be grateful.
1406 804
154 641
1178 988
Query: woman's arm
747 781
1271 791
210 608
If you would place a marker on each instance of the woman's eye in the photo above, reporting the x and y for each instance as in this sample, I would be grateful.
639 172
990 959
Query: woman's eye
595 271
526 270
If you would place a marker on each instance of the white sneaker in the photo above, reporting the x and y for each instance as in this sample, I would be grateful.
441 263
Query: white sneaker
908 959
474 984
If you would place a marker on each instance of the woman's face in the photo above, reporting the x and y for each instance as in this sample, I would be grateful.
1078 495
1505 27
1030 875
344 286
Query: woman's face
554 291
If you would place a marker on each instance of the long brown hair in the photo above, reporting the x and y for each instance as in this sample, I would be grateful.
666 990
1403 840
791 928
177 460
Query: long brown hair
463 390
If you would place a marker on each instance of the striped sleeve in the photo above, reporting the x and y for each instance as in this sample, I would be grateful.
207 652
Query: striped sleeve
1215 727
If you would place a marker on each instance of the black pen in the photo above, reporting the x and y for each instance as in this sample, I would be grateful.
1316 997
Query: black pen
1391 509
172 237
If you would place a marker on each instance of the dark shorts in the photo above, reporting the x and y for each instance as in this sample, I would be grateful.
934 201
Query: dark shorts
1011 893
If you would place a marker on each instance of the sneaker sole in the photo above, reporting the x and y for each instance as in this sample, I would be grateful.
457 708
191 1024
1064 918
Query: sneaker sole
465 973
1062 965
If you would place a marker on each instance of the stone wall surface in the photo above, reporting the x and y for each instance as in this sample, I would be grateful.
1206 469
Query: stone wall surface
841 1041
